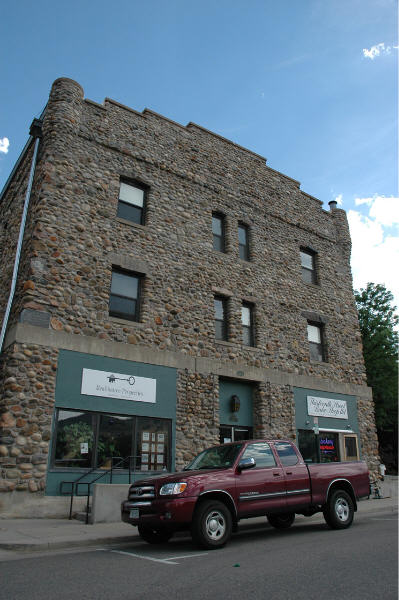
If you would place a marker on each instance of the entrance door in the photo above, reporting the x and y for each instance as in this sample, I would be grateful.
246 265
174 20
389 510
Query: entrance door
234 433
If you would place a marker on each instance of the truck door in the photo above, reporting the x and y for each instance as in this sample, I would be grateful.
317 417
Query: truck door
296 476
260 489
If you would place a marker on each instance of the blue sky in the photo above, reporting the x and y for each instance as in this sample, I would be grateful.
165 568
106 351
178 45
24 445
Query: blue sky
310 84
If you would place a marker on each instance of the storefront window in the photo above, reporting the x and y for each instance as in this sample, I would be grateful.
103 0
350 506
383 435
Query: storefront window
93 440
75 436
328 444
350 447
152 444
114 439
307 445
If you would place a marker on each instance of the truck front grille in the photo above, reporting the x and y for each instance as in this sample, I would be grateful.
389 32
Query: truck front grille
141 492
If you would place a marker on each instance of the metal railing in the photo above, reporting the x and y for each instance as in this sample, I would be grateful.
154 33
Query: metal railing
117 464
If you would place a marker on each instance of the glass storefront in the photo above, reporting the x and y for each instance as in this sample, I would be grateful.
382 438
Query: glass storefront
327 446
94 440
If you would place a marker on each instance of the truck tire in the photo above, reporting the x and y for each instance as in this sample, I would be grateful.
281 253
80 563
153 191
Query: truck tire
339 510
212 525
154 535
283 521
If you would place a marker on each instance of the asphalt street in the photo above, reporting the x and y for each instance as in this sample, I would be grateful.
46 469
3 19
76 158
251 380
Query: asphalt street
308 561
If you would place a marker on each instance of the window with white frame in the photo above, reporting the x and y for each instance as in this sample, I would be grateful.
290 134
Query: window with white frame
218 232
308 265
316 345
125 295
220 305
131 202
247 321
243 241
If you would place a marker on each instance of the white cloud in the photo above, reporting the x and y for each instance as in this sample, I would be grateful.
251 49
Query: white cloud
377 50
375 249
4 143
382 209
338 199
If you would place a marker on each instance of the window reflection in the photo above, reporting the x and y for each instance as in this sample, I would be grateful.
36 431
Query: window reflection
114 439
75 436
262 454
96 440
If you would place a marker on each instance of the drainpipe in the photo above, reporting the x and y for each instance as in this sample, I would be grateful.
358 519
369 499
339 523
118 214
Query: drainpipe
36 133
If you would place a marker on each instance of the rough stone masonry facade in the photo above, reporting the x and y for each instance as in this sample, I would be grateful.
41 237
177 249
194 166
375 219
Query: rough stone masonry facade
73 240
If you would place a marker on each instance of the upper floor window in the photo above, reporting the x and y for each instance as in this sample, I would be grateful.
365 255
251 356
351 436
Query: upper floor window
125 295
243 241
315 337
131 203
247 321
218 232
220 304
308 264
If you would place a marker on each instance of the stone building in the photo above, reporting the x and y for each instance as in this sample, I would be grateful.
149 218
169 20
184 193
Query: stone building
172 291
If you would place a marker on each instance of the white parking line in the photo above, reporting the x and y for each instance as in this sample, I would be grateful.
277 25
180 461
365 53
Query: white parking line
187 556
160 560
166 561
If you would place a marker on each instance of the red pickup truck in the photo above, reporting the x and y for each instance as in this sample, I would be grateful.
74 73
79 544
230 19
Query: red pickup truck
226 483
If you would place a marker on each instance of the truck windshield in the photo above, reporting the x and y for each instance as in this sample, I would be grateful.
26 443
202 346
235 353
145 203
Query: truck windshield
219 457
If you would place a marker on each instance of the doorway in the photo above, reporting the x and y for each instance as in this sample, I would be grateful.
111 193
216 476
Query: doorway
234 433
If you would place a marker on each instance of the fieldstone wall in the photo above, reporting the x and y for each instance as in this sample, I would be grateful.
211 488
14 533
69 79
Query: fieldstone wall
274 411
27 404
10 218
73 239
76 238
197 415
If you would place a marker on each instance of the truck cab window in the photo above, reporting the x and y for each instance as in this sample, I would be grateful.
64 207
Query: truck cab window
286 453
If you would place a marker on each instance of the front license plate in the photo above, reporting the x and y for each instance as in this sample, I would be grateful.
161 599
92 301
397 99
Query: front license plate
134 513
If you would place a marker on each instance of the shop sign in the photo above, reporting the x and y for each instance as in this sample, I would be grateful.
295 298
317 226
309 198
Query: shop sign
327 407
117 385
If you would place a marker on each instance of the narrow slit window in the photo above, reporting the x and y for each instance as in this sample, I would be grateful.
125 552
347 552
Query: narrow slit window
220 305
247 321
243 241
218 232
315 338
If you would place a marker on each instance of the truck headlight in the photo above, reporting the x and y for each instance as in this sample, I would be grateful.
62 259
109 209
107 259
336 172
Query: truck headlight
170 489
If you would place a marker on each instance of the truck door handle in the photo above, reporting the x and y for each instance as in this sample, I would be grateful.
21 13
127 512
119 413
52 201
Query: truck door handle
288 472
276 474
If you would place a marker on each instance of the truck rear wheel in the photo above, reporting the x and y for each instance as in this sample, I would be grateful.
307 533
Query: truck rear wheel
154 535
339 510
212 524
283 521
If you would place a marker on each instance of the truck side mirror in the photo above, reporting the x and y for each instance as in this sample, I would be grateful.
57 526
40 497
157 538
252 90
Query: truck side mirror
246 463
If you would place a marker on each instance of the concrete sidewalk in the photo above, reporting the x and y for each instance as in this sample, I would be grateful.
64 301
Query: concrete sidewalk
28 535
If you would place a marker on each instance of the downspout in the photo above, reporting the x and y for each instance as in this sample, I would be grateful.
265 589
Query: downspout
36 133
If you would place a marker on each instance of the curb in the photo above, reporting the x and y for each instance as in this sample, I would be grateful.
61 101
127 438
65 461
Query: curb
370 508
32 547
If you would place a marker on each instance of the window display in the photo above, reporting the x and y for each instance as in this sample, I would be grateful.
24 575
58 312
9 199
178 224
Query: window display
87 440
152 442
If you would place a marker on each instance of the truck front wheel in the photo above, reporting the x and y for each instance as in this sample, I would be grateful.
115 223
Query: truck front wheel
154 535
281 521
212 524
339 510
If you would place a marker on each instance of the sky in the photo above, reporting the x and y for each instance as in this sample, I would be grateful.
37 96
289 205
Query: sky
312 85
